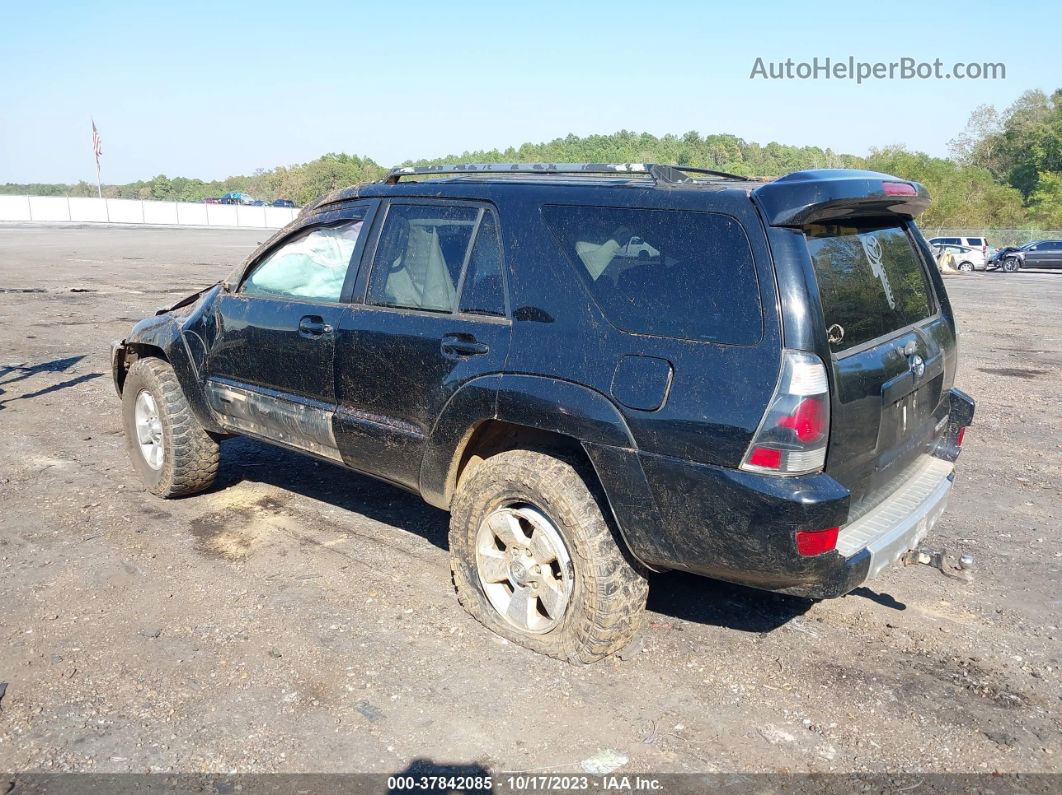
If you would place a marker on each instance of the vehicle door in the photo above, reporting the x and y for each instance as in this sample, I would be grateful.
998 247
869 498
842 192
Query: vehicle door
1050 254
433 316
270 371
891 347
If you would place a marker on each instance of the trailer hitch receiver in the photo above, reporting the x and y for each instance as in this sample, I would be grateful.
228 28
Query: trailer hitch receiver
962 570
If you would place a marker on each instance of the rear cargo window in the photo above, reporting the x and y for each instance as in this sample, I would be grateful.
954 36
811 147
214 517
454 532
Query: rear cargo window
669 273
871 281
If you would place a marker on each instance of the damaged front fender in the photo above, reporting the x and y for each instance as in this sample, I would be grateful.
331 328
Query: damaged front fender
180 335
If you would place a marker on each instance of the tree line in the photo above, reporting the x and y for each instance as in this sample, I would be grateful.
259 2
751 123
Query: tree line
1005 168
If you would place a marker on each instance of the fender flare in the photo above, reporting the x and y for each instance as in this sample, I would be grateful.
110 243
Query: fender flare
561 407
538 402
164 333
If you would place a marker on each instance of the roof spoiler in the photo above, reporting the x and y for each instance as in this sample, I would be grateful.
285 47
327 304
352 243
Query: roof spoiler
836 194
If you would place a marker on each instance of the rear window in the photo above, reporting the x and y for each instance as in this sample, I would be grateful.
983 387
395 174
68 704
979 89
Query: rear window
668 273
871 281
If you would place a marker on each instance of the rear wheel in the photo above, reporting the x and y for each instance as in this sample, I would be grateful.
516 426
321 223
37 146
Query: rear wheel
966 267
534 559
170 450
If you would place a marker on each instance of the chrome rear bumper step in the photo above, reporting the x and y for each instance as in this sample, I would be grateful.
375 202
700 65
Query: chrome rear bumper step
900 523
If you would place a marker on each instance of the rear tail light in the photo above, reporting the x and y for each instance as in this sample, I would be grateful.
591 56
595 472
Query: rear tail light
959 436
816 542
899 189
793 433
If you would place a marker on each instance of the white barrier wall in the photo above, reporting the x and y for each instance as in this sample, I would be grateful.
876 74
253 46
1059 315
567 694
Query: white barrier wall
82 210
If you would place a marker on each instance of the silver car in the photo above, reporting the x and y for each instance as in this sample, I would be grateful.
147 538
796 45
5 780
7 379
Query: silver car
966 259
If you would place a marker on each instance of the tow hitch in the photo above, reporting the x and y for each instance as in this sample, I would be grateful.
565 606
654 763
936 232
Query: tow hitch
937 558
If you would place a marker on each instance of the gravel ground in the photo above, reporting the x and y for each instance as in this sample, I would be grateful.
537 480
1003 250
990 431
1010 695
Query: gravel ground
300 618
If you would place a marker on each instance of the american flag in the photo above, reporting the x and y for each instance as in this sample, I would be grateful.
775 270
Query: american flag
97 144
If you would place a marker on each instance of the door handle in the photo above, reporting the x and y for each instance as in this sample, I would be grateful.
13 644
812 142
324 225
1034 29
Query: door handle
313 326
457 345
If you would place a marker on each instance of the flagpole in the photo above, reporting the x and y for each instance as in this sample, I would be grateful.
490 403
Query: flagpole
96 151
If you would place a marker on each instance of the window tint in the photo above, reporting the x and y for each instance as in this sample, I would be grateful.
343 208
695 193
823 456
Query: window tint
482 292
953 241
420 255
974 241
871 281
311 265
671 273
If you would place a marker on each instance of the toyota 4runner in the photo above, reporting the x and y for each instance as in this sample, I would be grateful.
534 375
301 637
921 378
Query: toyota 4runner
599 370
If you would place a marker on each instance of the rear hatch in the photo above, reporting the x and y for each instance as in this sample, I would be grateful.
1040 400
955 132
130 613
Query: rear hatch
885 333
890 347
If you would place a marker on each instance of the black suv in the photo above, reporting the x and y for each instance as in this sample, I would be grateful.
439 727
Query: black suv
600 371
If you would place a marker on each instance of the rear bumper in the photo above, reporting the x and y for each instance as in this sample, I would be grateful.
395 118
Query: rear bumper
903 520
740 527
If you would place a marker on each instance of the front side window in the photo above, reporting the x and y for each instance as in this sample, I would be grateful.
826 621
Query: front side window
871 280
668 273
313 265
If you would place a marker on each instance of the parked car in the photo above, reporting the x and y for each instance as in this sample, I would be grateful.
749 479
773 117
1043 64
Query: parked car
964 258
283 203
239 198
980 243
766 398
976 249
1036 254
636 247
211 200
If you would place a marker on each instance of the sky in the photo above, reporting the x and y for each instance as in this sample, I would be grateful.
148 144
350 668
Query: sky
210 90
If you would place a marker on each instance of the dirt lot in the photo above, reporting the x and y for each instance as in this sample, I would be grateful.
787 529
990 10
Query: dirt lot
300 618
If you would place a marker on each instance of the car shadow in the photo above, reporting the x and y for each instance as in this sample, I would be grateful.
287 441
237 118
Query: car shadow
245 459
10 374
673 594
722 604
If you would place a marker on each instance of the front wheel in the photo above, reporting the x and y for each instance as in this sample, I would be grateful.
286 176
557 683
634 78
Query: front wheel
1011 265
170 450
534 558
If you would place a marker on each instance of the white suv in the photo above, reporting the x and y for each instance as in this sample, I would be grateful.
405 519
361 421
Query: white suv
977 255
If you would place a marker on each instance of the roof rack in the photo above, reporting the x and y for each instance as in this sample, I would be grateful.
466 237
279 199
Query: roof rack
659 173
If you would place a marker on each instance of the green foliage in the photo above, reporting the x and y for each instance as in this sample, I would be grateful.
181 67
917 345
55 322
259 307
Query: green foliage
720 152
1021 147
1006 170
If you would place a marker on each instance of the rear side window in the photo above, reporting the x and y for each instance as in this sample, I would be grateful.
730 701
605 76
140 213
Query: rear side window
482 292
974 241
420 256
668 273
871 280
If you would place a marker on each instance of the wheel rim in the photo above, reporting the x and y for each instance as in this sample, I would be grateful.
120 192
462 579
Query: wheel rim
149 429
966 266
524 567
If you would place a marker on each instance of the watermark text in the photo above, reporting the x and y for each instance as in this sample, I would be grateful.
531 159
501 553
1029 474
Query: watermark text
862 71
